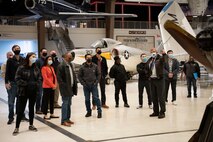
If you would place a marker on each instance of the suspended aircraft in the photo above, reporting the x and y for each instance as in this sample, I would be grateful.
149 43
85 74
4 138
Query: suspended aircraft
60 9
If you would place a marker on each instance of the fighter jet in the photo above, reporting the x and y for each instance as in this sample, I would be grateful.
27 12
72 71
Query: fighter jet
130 56
60 9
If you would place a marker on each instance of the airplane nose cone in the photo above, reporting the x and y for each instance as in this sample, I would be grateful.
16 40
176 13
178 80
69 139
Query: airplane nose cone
30 4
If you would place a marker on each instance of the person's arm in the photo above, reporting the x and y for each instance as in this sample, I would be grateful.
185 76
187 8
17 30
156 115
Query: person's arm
106 67
7 71
198 70
112 72
176 67
80 77
18 77
98 75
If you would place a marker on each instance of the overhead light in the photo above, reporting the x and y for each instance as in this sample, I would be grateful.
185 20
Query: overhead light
194 16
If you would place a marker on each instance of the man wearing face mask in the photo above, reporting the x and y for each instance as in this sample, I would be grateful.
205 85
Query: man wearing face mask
143 81
55 66
101 62
89 76
171 68
10 84
118 72
156 65
68 87
192 72
39 64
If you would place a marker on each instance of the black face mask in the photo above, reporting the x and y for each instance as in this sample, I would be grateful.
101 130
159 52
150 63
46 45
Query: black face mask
44 54
54 55
89 60
99 52
17 52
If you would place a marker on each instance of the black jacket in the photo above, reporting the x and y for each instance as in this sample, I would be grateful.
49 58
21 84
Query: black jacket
23 79
191 67
55 63
64 80
118 72
89 74
11 68
175 68
143 71
104 67
159 65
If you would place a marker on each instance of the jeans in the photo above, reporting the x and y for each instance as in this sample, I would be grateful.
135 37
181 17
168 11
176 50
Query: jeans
94 90
38 99
12 94
66 109
173 83
191 82
141 85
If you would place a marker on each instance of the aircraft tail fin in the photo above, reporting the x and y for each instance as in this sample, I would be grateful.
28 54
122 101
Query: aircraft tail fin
172 11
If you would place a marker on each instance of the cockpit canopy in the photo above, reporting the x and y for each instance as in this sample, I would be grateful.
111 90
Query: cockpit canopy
105 43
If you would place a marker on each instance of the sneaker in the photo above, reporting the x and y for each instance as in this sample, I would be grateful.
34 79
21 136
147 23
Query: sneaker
150 106
10 121
16 131
88 114
174 103
105 106
94 107
33 128
161 115
99 115
126 105
140 106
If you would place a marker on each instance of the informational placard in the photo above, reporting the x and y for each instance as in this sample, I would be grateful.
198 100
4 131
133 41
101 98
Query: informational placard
141 42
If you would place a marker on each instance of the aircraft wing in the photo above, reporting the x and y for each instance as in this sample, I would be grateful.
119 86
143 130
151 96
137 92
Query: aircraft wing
33 18
97 15
189 43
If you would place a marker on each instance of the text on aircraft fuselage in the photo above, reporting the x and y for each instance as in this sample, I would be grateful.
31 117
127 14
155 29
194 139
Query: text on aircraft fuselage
174 18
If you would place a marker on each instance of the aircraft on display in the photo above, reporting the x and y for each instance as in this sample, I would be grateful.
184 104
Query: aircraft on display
60 9
130 56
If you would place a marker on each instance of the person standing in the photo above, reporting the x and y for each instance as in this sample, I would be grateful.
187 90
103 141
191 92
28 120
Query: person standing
89 76
39 64
55 65
101 62
171 69
118 72
27 78
3 66
156 65
143 81
192 72
49 85
68 87
10 83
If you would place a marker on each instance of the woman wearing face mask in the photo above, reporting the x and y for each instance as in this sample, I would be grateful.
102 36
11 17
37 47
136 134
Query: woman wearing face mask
27 77
49 85
143 81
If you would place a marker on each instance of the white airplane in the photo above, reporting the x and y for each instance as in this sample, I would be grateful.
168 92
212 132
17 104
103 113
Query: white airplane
130 56
173 12
178 30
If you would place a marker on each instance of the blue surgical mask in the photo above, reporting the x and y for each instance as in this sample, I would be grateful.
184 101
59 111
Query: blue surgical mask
144 60
32 60
50 62
171 56
153 55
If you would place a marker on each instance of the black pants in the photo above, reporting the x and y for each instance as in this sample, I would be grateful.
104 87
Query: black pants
141 85
191 82
102 84
48 100
120 86
158 98
173 83
22 101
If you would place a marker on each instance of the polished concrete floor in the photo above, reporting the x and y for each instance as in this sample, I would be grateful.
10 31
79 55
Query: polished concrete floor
118 124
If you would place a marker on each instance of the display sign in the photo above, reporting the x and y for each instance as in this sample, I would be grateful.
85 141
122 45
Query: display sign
141 42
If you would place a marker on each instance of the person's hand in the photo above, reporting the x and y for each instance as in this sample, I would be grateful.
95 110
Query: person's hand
8 86
54 88
170 75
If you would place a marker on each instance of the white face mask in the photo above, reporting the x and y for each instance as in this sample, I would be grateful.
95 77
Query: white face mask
32 60
50 62
153 55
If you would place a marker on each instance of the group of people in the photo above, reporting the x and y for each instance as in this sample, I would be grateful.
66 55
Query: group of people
38 81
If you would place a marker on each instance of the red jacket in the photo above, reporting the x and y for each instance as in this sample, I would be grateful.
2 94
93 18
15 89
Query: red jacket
48 77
